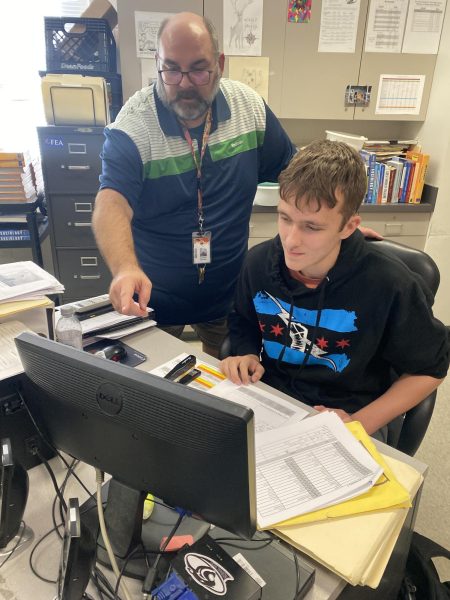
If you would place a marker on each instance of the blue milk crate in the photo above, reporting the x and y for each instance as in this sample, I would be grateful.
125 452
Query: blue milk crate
79 45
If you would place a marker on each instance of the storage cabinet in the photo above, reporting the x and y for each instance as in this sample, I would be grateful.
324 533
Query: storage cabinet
71 168
307 84
404 224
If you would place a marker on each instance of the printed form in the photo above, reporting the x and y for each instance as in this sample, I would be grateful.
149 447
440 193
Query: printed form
307 466
270 410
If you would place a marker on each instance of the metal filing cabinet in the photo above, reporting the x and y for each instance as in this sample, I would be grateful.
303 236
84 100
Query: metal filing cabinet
71 166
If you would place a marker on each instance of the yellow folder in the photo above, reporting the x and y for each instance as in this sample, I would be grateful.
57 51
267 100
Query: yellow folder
386 493
358 547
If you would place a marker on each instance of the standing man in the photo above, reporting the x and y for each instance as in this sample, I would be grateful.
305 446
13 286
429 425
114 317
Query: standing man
180 169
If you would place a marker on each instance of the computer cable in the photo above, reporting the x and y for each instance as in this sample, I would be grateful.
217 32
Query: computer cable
101 519
16 545
55 500
297 573
124 566
102 584
30 558
50 445
149 582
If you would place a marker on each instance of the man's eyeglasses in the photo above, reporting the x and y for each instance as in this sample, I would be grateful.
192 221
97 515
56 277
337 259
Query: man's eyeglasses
196 77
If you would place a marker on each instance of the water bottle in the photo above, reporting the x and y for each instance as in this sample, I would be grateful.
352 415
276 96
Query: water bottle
68 328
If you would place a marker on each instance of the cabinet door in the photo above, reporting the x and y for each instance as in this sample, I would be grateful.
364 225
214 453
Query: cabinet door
274 24
83 273
131 64
314 83
71 158
71 217
374 64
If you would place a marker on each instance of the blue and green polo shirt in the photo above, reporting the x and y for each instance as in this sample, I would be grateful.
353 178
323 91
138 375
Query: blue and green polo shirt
147 159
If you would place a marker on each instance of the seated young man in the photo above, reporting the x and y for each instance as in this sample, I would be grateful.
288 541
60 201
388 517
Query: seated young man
324 316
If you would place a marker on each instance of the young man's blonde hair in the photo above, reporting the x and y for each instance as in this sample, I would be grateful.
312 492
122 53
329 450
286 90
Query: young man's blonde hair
321 168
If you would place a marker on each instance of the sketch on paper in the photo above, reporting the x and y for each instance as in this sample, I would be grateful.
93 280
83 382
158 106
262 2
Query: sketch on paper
253 71
146 27
242 27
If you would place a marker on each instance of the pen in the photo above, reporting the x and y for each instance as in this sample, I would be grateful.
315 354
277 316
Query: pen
181 368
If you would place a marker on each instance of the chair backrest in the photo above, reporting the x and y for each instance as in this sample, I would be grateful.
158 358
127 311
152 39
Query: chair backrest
406 433
418 261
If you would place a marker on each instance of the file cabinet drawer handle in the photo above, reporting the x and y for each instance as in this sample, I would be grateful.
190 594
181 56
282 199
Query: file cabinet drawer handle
77 148
77 167
83 206
89 261
90 276
82 224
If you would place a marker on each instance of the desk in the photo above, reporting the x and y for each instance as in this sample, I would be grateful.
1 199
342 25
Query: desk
18 583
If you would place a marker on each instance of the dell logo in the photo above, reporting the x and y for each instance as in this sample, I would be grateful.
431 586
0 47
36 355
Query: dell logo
109 398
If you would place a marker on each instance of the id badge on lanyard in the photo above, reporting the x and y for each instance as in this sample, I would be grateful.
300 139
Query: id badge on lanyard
201 247
201 240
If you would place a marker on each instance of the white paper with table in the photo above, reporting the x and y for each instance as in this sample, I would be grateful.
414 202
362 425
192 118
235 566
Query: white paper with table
307 466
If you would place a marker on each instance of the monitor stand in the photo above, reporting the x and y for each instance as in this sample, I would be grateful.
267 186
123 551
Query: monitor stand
273 562
126 527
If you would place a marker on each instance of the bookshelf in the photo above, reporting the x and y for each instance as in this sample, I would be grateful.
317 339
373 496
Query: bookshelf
30 217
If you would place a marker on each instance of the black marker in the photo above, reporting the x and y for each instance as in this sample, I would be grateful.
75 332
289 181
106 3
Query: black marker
193 374
181 368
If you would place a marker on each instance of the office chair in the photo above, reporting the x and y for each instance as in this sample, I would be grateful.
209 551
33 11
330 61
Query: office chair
407 431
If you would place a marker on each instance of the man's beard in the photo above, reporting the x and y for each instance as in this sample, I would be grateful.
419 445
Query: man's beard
194 110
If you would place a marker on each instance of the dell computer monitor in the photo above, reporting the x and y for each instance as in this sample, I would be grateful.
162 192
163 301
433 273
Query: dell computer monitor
191 449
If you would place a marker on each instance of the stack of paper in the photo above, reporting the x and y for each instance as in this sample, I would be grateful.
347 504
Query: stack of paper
307 466
20 177
35 314
26 280
357 548
10 363
111 324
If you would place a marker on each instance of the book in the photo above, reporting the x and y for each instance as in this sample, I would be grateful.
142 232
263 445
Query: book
405 179
392 177
416 158
385 149
376 184
421 163
12 163
410 181
421 178
381 170
369 159
398 165
8 235
385 184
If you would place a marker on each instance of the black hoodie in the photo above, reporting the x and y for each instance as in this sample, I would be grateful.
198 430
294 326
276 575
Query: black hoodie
339 344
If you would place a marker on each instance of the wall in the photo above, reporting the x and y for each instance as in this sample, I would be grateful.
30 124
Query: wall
435 136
